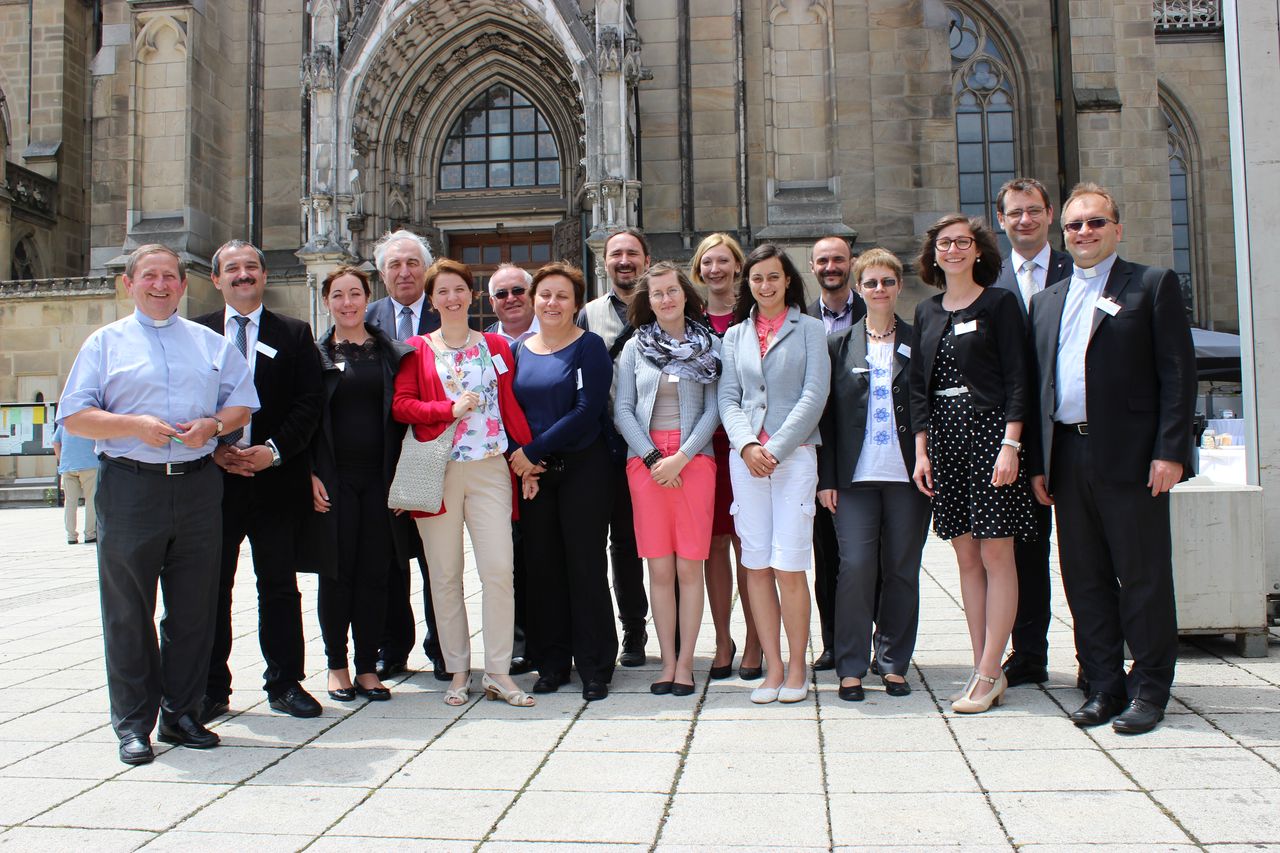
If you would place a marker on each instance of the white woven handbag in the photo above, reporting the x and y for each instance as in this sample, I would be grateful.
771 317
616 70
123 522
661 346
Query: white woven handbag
419 481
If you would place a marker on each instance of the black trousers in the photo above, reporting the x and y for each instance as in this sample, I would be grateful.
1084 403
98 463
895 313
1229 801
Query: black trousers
881 528
826 570
1116 550
401 625
1031 626
272 533
166 530
564 529
356 599
519 646
628 568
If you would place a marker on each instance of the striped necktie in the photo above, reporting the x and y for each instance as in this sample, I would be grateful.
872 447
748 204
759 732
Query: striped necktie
242 344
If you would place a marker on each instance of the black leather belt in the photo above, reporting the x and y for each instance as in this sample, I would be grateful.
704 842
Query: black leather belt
169 469
1081 428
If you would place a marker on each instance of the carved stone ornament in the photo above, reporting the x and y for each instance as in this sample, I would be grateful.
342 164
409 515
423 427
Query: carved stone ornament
318 69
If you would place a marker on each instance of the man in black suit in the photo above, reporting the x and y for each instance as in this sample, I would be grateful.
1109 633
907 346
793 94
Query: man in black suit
1116 376
838 307
1026 214
402 258
266 480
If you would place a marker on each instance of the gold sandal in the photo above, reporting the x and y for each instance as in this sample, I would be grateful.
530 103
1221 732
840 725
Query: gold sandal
494 691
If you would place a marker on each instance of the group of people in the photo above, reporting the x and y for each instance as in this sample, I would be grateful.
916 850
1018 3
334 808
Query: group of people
678 418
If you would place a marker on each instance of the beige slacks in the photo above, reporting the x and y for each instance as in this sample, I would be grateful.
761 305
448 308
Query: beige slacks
77 484
479 494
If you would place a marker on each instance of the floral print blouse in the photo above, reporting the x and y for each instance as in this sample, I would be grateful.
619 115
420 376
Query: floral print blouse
480 434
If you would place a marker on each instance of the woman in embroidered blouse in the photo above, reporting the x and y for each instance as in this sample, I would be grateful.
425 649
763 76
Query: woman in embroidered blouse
563 377
461 379
665 409
771 396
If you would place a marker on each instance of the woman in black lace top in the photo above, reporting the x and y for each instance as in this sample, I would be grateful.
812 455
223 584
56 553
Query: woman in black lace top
354 457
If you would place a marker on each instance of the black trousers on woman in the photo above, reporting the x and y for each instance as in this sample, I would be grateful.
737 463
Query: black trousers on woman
881 528
357 598
565 529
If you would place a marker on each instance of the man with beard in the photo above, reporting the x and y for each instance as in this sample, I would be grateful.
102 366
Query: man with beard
626 257
266 480
838 308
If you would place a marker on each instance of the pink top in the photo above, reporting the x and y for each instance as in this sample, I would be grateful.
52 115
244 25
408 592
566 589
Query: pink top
720 322
767 329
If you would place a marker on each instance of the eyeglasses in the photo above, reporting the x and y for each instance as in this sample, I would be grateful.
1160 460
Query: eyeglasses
873 284
515 291
1032 212
1094 224
944 244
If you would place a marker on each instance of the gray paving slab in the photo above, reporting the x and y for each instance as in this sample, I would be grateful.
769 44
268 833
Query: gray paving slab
1057 817
602 817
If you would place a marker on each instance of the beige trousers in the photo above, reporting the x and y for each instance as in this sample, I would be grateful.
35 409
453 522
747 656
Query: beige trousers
479 494
77 484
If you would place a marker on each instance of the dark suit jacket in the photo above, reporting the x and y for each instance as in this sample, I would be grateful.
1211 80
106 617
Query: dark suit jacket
382 314
289 388
1059 268
992 359
1140 379
858 310
844 422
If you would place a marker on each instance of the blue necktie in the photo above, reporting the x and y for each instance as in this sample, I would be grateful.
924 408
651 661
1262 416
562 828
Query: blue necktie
404 330
242 344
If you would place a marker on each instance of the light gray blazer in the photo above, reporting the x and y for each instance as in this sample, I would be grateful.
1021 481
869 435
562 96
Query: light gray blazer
637 389
784 393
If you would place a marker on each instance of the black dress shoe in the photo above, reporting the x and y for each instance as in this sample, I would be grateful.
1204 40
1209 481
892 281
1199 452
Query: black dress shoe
678 689
187 731
896 688
520 665
1019 669
550 682
297 702
824 661
1099 708
136 749
661 688
852 693
343 694
595 690
1139 718
439 671
633 643
718 672
875 666
385 669
212 709
373 694
751 673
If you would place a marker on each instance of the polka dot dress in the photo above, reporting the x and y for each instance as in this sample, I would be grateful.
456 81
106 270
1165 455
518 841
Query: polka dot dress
963 445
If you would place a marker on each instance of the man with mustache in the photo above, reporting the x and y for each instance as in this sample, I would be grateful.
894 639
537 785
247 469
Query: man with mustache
838 307
626 257
266 480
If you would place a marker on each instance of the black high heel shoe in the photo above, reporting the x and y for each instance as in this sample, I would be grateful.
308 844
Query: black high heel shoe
726 671
373 694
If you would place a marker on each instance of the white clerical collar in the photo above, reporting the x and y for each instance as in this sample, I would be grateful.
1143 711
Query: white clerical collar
152 322
1102 268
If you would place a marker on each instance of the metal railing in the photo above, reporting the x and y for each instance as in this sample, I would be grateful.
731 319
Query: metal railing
1186 16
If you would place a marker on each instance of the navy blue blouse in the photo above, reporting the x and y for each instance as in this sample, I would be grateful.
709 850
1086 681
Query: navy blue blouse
564 395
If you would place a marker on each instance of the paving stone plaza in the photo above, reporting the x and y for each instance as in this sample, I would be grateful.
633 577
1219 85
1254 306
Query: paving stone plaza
635 771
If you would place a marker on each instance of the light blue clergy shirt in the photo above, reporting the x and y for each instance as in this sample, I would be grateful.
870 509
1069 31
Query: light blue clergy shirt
1073 339
173 369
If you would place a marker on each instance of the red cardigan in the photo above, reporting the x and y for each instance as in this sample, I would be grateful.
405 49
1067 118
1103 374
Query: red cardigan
421 403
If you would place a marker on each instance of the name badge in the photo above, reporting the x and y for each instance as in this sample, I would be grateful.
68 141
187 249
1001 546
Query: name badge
671 377
904 350
1107 305
966 328
861 370
342 366
265 349
499 365
579 378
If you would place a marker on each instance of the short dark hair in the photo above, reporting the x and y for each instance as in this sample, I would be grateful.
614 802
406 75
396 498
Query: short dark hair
231 245
153 249
641 310
570 272
444 265
795 284
339 273
633 232
1022 185
986 269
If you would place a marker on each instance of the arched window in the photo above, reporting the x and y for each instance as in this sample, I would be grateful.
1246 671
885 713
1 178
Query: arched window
1180 206
23 264
500 140
985 99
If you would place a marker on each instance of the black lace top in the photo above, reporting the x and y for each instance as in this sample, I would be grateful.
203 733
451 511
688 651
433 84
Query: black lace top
357 405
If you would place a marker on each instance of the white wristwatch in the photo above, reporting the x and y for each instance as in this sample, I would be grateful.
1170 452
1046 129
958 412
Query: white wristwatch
1009 442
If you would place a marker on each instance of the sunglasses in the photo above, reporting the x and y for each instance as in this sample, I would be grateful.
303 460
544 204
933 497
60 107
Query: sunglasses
1094 224
960 243
515 291
874 284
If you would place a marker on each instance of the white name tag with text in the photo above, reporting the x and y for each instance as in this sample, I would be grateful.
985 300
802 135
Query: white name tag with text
861 370
265 349
671 377
579 378
342 366
1107 305
967 327
904 350
499 365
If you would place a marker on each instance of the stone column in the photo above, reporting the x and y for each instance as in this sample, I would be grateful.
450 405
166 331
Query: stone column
323 205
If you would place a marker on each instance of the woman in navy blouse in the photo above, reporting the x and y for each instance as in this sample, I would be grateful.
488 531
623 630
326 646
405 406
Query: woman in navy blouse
563 376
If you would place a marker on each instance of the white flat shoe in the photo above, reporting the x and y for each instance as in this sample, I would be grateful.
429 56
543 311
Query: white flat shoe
764 695
793 694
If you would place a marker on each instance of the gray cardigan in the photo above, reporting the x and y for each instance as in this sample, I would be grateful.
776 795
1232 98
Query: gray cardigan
784 393
637 389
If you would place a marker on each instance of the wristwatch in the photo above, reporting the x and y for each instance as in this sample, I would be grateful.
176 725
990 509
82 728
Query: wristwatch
1009 442
218 430
275 453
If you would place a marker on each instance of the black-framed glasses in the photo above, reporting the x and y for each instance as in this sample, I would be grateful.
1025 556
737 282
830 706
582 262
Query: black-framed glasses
944 244
515 291
1015 215
873 283
1094 224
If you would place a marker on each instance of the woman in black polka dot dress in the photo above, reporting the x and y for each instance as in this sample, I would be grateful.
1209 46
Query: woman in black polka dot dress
969 398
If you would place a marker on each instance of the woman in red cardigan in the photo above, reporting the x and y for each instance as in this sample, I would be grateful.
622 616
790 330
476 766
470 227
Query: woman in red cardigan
460 379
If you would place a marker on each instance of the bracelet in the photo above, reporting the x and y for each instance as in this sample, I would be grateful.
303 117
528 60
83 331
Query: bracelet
653 457
1009 442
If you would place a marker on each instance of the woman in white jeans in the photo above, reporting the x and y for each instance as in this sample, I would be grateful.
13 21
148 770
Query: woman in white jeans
771 397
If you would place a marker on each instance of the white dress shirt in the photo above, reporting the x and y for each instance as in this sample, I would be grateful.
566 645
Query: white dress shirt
1073 340
523 336
251 350
1033 284
417 308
